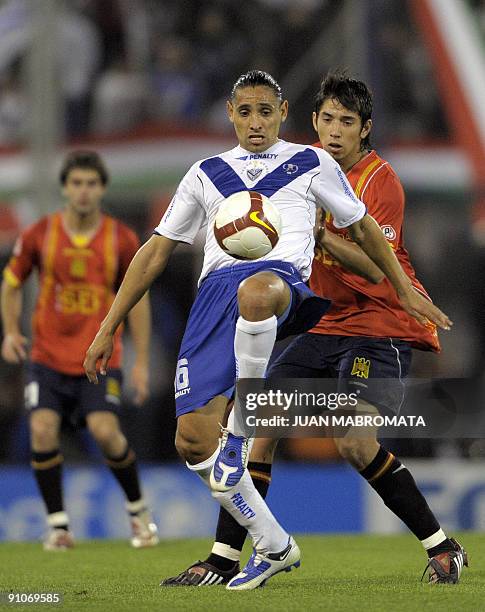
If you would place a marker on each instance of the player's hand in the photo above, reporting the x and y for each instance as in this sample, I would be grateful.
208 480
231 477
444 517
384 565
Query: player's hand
14 348
140 384
423 310
319 228
101 349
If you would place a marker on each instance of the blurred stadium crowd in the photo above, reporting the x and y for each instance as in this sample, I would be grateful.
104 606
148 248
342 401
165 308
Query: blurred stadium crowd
141 67
124 64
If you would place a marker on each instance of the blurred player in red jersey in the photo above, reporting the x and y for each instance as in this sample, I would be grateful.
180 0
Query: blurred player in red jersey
365 335
81 256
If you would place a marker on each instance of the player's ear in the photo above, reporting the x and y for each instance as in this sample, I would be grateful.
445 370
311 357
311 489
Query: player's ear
366 128
230 111
315 121
284 110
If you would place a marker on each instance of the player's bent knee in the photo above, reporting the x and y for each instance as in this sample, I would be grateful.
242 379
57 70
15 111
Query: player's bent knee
105 434
262 295
44 434
358 451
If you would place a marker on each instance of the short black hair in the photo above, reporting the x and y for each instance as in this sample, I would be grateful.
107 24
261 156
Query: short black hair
86 160
353 94
253 78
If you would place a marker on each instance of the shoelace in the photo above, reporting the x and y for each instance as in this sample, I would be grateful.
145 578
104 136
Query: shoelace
225 433
429 564
425 570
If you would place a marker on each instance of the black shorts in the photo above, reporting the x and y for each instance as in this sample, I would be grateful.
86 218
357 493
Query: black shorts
72 397
357 362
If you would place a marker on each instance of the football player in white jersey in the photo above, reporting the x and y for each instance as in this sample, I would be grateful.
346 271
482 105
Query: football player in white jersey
241 308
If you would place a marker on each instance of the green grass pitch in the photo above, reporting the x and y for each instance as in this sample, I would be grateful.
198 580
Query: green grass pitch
342 573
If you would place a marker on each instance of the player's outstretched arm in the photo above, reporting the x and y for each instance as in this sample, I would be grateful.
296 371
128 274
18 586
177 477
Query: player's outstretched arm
14 343
370 238
349 255
139 320
149 261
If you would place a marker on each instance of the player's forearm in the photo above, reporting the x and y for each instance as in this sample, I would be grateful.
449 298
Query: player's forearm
368 235
11 306
148 263
351 256
139 319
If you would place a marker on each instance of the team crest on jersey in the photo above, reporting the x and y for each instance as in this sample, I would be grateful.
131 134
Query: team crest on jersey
389 232
290 168
256 168
361 367
78 268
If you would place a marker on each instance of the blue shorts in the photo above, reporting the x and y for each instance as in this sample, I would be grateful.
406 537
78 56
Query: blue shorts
206 365
72 397
358 362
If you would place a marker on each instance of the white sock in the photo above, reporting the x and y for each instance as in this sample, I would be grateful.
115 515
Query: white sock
247 507
57 519
203 469
136 506
224 550
253 345
434 540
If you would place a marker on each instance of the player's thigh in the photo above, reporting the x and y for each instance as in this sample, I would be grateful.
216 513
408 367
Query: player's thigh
197 434
99 404
104 425
44 401
304 357
45 425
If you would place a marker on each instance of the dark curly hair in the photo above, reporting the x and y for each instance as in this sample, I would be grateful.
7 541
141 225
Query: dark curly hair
353 94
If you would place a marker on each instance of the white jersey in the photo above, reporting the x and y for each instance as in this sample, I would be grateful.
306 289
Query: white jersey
296 178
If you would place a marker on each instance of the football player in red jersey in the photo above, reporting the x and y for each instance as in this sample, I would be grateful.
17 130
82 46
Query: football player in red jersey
81 256
365 335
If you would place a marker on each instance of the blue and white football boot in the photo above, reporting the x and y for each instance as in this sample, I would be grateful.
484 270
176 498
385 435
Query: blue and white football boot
261 567
231 462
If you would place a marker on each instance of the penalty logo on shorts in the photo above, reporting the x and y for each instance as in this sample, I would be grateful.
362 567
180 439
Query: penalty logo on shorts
182 384
361 367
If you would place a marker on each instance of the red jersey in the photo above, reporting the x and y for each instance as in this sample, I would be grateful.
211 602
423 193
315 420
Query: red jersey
78 280
359 307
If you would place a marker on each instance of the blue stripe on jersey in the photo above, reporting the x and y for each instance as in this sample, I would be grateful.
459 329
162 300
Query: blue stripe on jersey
299 164
227 182
223 176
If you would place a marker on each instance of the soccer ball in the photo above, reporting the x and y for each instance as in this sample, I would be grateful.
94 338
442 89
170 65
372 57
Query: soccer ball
247 225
